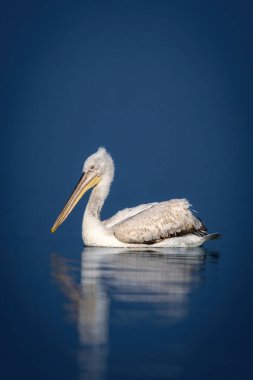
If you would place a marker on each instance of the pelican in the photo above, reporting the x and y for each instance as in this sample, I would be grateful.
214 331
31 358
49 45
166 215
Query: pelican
158 224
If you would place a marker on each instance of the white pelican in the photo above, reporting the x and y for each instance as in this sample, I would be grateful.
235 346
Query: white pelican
158 224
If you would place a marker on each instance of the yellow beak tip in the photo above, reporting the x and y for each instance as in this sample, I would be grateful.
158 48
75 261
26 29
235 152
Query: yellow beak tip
83 185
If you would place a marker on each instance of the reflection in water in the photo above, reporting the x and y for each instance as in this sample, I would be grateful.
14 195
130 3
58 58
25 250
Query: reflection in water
155 285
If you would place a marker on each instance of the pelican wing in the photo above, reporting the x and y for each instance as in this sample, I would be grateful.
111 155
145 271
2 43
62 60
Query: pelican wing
125 214
160 221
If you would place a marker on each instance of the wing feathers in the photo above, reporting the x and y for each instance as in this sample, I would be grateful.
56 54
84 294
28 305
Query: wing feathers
160 221
127 213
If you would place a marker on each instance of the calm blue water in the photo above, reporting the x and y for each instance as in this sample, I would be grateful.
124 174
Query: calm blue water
69 312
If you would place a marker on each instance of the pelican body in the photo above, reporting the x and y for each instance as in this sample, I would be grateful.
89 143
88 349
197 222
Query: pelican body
159 224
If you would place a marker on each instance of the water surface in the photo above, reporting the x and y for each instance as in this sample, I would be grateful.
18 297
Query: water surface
87 313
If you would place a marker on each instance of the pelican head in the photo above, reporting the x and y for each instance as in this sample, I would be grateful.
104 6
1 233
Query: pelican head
98 168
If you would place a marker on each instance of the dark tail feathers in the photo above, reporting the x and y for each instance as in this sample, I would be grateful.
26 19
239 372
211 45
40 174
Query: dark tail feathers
214 236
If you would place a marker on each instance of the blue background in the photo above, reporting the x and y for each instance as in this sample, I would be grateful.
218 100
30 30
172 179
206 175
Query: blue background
166 87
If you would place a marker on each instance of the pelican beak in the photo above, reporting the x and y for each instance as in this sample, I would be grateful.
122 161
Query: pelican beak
86 182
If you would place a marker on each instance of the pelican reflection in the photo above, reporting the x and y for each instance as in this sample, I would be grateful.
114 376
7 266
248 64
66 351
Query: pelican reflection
153 284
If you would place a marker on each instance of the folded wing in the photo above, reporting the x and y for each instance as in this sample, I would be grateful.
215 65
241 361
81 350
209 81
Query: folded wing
125 214
159 221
